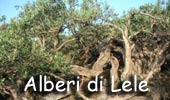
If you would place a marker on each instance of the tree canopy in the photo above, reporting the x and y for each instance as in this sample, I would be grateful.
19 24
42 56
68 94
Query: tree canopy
55 36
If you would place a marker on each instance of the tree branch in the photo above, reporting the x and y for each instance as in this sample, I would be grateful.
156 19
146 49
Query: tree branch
55 76
116 27
65 43
146 14
83 96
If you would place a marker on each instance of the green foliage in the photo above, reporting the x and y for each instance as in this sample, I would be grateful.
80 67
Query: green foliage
2 19
28 44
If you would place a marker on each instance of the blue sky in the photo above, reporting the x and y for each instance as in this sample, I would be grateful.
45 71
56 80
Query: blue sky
7 7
